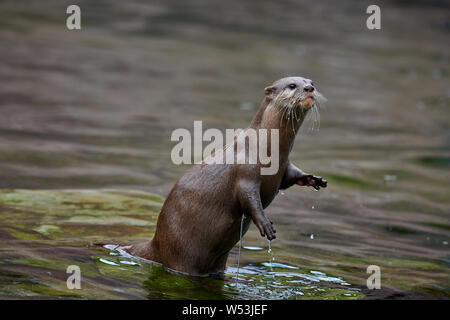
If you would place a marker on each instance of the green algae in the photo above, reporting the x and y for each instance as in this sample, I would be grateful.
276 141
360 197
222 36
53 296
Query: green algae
405 263
51 263
58 228
440 197
29 289
399 230
108 221
443 226
23 235
433 161
47 229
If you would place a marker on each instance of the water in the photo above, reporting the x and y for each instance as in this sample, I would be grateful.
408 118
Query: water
269 251
95 110
40 240
271 257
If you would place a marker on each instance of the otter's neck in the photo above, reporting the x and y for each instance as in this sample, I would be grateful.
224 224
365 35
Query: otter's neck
270 116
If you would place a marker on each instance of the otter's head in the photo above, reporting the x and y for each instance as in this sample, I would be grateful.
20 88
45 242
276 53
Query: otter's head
294 93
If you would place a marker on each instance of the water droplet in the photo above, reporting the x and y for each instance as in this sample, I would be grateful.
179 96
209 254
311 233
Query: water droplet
389 178
312 236
312 207
282 193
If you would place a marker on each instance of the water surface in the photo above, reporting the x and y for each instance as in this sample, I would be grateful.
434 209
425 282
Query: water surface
92 110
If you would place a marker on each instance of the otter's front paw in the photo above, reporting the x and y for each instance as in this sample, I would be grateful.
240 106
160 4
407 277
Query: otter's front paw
265 227
312 181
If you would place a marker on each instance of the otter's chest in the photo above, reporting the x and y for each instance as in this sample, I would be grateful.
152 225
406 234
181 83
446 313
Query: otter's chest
270 186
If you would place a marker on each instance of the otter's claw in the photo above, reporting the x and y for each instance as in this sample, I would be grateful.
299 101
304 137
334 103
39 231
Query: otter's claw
265 227
312 181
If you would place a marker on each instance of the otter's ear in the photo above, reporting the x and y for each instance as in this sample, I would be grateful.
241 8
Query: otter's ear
269 91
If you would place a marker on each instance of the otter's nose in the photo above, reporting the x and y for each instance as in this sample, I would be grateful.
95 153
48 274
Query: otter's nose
308 88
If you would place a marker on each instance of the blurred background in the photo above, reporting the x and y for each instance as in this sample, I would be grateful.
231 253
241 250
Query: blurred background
94 108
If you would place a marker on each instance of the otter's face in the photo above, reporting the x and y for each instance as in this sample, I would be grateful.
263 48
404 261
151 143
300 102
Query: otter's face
293 92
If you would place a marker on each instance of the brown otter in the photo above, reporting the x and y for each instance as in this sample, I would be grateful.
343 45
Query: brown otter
200 220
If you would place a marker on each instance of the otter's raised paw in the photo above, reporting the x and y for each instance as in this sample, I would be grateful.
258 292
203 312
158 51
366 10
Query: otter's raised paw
312 181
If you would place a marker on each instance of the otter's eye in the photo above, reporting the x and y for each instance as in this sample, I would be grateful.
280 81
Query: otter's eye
292 86
312 83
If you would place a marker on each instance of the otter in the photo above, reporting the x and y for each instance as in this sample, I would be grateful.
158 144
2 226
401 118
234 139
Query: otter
201 219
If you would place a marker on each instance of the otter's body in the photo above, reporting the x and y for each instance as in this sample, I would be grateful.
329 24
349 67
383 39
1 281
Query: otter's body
200 220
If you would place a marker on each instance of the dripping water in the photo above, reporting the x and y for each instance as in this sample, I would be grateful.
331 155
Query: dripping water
240 246
271 255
